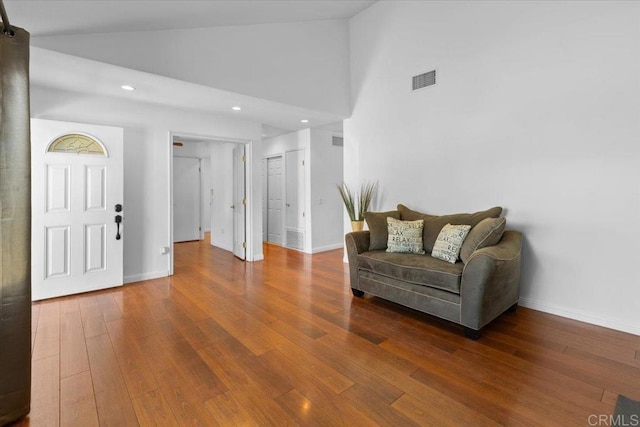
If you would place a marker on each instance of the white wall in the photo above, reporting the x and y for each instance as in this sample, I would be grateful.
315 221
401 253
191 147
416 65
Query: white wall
323 163
304 64
326 204
536 109
146 163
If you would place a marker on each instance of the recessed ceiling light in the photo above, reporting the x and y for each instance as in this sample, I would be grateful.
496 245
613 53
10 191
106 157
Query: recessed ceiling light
304 121
236 108
128 87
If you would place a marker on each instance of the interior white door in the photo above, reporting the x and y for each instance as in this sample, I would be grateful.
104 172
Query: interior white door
206 196
295 199
274 200
186 199
77 183
265 207
239 202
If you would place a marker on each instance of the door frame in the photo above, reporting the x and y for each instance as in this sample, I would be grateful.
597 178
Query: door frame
248 179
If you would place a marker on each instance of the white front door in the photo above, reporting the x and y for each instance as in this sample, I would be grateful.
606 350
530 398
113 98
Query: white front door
239 202
76 197
274 200
295 199
186 199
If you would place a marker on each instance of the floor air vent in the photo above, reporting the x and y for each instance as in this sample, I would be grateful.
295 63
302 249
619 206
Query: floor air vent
424 80
338 141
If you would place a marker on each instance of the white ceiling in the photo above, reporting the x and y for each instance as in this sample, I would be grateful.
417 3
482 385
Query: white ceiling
57 17
54 70
60 71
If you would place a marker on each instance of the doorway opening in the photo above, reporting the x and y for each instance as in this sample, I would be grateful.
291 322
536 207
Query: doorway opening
210 188
284 199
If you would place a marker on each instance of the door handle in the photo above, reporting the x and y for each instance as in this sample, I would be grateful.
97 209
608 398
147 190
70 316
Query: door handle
118 221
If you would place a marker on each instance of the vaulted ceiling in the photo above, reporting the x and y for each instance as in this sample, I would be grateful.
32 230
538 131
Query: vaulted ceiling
57 17
51 18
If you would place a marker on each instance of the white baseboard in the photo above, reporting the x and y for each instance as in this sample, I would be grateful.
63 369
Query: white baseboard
582 316
145 276
327 248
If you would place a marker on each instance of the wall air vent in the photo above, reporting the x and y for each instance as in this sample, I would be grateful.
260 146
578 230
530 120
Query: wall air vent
424 80
295 239
338 141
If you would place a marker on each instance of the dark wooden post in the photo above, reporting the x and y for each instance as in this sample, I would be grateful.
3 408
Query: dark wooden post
15 226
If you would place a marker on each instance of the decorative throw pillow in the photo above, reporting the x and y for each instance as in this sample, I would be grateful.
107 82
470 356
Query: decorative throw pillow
449 242
433 224
488 232
405 236
377 223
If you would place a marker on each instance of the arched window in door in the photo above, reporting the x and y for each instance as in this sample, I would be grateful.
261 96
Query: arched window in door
76 143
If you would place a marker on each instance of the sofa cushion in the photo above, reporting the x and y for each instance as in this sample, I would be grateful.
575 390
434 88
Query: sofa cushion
413 268
405 236
449 242
488 232
437 302
433 224
377 223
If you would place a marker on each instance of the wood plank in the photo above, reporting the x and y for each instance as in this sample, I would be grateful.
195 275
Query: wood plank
45 392
625 367
185 403
92 320
305 411
73 352
227 411
434 412
77 403
35 314
112 399
134 366
153 409
108 307
187 361
347 366
340 411
225 361
47 341
376 405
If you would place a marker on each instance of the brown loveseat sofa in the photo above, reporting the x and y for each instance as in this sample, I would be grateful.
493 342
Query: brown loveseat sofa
471 292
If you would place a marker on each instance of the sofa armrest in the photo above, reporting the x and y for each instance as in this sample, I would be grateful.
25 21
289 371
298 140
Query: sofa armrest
491 281
357 242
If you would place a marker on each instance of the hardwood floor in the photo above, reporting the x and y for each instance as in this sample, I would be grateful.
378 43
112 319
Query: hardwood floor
283 342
